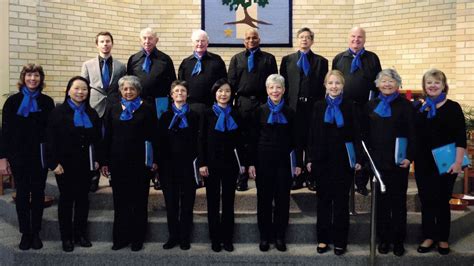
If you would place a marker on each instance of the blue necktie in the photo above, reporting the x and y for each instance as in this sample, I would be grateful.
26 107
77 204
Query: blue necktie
431 103
383 109
146 63
105 74
303 63
224 120
197 66
130 107
81 119
356 62
179 115
276 116
28 104
333 112
250 59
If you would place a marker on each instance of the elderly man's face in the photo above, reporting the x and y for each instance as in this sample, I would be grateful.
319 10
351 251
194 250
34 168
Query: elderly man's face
252 40
148 41
128 91
200 43
356 40
305 41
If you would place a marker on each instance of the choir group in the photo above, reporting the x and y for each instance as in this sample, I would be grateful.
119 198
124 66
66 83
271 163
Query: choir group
138 121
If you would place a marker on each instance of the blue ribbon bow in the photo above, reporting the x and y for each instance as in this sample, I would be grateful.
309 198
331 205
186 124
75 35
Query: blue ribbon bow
356 62
81 119
29 103
333 112
303 63
276 116
431 103
130 107
383 109
224 120
179 115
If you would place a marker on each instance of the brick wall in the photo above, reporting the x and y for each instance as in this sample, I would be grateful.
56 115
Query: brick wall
409 35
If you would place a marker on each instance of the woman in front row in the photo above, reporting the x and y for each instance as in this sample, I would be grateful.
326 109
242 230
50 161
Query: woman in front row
219 137
439 122
390 120
274 135
73 133
129 126
334 129
178 133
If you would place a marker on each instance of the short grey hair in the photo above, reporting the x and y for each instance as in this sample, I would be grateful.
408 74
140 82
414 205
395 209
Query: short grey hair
132 80
198 33
148 30
391 73
275 79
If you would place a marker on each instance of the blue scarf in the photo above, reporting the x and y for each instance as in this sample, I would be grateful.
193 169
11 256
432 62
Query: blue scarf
250 59
146 66
81 119
383 109
431 103
356 63
224 120
130 107
303 63
276 116
333 112
29 103
197 66
179 115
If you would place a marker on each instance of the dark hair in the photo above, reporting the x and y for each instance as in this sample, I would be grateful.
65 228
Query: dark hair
103 33
69 85
31 68
311 33
179 83
219 84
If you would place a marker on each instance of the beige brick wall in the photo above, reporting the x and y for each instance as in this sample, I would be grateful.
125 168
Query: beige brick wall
409 35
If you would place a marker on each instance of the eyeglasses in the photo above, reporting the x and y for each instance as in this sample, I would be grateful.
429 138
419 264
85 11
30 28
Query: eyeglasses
305 38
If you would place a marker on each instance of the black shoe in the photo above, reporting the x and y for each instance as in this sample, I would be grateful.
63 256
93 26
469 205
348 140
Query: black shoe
171 243
94 185
36 242
398 250
242 182
363 191
339 251
25 242
422 249
384 248
137 246
322 250
117 246
297 183
228 246
264 245
185 245
443 251
311 184
216 246
68 246
83 241
280 245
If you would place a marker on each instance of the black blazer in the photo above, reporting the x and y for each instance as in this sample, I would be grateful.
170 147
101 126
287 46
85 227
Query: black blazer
292 74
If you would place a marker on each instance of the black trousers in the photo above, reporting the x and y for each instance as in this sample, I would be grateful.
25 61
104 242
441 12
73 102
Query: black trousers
73 202
333 211
179 199
30 181
435 192
273 188
392 206
221 228
131 187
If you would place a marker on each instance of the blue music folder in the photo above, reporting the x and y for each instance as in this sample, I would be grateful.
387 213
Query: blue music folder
445 156
400 150
351 156
148 154
161 104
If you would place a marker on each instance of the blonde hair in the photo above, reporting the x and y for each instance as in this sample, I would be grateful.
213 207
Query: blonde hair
437 74
336 73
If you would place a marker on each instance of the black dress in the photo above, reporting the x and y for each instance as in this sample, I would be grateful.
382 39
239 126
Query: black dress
331 167
178 150
216 151
380 134
22 137
448 126
124 153
270 149
69 146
